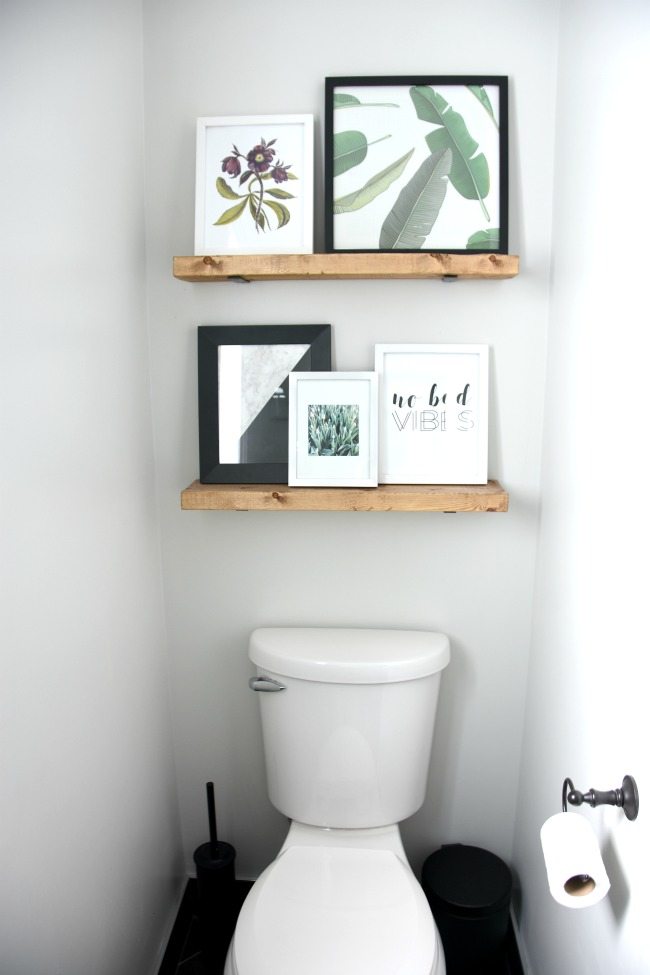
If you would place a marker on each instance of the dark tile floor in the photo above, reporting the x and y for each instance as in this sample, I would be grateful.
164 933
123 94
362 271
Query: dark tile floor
184 954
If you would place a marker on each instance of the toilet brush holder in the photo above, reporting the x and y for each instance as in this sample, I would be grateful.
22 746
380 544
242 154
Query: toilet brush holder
215 875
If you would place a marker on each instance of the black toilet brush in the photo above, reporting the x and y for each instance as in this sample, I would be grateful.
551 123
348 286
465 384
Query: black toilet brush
212 821
215 875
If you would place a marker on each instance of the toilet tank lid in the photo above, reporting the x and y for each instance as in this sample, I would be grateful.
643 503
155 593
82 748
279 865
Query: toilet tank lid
349 656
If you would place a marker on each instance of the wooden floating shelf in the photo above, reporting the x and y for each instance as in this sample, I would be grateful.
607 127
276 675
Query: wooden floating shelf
386 497
328 267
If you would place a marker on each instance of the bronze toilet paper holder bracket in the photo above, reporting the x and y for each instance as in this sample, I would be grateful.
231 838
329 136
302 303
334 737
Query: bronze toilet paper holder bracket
627 797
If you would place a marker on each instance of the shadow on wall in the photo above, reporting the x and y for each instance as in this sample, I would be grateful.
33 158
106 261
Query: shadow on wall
619 893
441 778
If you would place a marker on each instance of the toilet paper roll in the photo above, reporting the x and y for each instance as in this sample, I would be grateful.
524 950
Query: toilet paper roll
575 869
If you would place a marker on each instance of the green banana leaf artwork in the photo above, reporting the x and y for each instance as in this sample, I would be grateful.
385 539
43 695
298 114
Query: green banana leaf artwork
341 100
350 149
416 209
417 164
373 187
470 173
479 92
484 240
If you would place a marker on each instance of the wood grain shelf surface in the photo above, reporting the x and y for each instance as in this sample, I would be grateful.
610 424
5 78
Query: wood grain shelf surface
326 267
386 497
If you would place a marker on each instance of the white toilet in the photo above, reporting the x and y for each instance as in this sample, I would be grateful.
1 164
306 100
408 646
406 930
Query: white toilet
347 721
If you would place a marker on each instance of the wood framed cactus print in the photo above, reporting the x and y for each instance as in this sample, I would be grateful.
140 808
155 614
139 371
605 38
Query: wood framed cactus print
254 185
417 164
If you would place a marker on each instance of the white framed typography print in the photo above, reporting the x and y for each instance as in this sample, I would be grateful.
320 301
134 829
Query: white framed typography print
433 413
333 429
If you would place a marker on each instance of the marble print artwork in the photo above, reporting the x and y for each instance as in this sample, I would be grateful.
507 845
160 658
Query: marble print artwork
249 375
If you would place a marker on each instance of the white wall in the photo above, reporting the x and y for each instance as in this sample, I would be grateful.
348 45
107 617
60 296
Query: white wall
470 576
587 700
89 835
90 853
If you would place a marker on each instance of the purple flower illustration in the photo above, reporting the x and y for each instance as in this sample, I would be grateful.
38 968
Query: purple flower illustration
260 157
280 172
231 165
254 179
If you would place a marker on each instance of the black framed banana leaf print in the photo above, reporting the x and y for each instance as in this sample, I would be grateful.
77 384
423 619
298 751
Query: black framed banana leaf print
417 164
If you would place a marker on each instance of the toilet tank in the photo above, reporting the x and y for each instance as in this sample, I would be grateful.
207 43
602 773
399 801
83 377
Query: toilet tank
347 740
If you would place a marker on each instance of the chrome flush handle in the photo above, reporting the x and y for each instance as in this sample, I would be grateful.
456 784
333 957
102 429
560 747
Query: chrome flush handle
266 684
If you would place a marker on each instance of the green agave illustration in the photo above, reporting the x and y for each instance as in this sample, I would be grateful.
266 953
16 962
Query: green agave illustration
333 431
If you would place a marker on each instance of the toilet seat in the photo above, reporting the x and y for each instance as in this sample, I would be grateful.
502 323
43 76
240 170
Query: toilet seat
326 910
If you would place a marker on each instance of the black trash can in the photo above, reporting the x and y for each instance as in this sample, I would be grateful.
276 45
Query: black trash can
469 892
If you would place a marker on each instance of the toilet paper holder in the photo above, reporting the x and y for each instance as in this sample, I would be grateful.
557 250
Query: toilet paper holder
627 797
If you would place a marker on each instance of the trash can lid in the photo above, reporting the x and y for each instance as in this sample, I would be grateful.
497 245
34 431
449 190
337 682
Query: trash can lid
466 881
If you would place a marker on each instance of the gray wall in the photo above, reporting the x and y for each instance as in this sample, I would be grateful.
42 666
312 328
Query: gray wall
89 840
92 861
587 707
470 576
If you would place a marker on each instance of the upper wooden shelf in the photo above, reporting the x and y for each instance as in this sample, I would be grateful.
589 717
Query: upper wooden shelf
386 497
326 267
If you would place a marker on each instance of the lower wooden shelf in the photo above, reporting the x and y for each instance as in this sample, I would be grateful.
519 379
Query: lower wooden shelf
386 497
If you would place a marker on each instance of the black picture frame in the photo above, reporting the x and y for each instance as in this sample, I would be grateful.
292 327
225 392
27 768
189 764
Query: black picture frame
372 208
263 446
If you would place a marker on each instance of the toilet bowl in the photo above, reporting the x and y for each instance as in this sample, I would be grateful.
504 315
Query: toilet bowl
336 903
347 723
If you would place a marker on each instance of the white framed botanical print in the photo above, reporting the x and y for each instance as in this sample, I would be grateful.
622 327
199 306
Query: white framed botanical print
333 429
433 413
254 184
